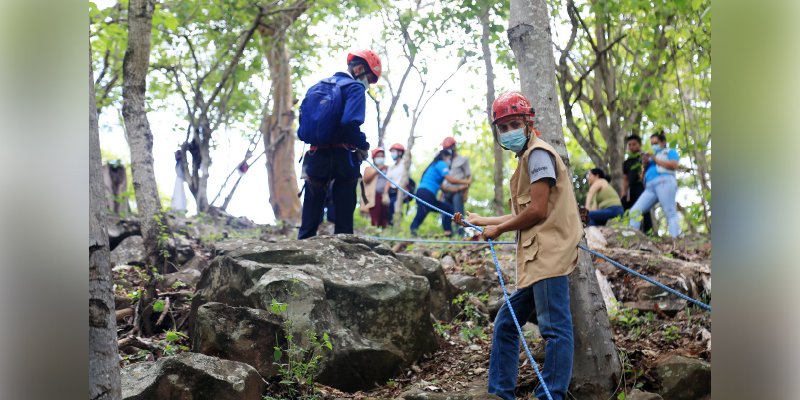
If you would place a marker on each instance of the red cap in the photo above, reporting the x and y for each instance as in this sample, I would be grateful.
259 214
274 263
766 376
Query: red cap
448 142
376 151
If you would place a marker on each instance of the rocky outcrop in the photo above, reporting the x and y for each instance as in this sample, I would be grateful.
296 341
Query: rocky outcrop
683 378
442 291
191 376
239 333
376 311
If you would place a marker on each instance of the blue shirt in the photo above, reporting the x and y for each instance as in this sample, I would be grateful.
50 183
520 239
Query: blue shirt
433 177
652 170
355 104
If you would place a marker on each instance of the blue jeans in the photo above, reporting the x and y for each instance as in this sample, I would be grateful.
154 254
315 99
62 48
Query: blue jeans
423 210
550 299
601 216
662 190
456 200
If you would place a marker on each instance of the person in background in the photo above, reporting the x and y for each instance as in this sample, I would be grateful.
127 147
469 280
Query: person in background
459 168
660 184
545 218
433 176
395 173
602 200
336 162
632 184
375 190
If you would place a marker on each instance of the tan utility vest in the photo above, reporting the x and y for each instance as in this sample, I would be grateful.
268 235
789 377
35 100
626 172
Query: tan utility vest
549 248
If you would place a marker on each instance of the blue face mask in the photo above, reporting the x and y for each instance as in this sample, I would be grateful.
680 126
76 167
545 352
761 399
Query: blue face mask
514 140
656 147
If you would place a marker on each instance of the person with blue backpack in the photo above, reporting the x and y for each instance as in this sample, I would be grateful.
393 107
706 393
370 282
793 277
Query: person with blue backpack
331 116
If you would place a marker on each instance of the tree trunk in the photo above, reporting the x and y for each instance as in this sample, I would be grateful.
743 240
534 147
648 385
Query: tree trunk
596 366
279 137
104 375
140 138
498 201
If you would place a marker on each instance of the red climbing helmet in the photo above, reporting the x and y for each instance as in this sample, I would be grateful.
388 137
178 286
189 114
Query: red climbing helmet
377 150
398 147
511 103
372 59
448 142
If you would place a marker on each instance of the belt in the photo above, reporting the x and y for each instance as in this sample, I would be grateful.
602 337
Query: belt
330 146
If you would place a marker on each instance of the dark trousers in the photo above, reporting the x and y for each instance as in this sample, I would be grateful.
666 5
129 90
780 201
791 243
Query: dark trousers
423 210
392 200
636 191
322 169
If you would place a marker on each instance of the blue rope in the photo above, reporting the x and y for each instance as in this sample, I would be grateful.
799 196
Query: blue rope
396 239
499 275
651 280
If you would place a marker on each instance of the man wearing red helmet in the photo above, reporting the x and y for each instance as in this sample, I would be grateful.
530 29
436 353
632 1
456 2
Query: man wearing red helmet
336 162
545 218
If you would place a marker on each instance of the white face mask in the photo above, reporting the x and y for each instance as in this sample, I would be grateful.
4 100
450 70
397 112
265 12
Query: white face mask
379 161
364 82
395 155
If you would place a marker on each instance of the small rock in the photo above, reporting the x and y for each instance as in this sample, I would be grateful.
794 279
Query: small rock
180 377
683 378
474 347
637 394
448 262
129 252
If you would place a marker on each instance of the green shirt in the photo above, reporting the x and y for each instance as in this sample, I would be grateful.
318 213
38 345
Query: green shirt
607 197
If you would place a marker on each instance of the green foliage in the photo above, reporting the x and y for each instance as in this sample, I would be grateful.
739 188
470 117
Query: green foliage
299 363
472 319
158 306
671 333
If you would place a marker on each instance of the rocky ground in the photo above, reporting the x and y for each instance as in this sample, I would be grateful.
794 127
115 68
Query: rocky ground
220 295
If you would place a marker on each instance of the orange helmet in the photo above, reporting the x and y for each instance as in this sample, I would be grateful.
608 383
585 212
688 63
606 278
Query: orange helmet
448 142
376 151
511 103
398 147
372 59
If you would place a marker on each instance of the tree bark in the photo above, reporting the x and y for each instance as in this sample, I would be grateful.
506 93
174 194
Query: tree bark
140 138
596 365
498 201
279 136
104 374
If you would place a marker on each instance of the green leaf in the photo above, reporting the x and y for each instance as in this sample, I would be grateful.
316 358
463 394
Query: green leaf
158 306
278 354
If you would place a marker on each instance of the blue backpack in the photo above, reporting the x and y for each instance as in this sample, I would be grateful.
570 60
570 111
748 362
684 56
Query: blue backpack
321 111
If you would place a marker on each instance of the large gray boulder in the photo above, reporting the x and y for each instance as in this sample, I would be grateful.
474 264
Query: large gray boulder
442 291
239 333
191 376
375 310
683 378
